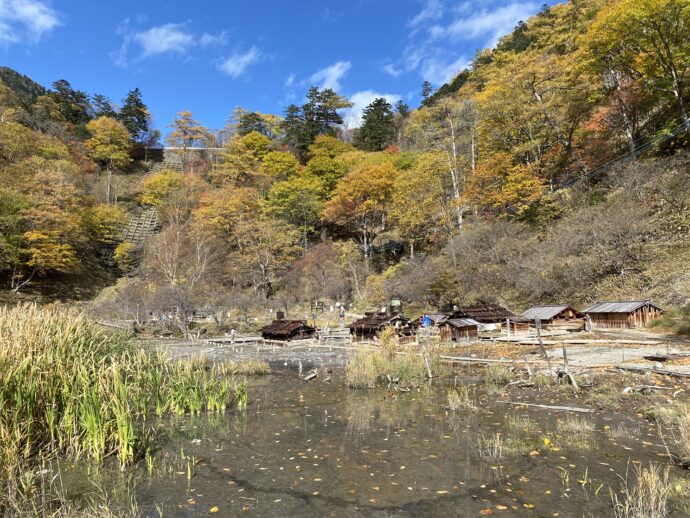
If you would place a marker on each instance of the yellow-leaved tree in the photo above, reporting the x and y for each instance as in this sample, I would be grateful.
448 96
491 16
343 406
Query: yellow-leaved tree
419 206
502 188
648 40
361 201
110 146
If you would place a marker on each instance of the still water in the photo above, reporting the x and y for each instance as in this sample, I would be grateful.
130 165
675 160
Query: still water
319 449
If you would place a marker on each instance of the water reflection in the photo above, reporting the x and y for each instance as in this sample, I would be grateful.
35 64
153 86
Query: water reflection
318 449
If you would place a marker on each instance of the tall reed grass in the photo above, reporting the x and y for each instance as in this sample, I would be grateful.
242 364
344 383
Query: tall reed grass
404 364
68 387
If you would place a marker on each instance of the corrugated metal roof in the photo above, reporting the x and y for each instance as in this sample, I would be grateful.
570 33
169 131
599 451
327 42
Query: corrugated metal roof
463 322
619 307
544 312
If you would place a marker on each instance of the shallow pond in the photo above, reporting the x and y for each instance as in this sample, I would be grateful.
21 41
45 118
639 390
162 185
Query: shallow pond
319 449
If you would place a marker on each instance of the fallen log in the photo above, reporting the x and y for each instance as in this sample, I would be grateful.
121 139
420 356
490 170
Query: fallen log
645 370
550 407
460 359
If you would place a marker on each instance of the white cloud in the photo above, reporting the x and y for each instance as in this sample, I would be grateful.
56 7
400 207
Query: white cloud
163 39
432 49
26 20
330 77
392 70
432 10
439 70
209 40
352 117
290 80
178 39
237 63
489 24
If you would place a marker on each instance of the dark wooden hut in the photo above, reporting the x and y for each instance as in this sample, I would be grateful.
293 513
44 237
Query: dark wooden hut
492 314
287 330
623 315
369 326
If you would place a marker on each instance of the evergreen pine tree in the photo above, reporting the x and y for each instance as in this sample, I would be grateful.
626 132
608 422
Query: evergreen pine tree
102 107
427 91
378 126
135 116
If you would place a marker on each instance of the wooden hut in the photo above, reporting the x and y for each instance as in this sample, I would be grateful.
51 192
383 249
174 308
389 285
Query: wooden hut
459 330
287 330
556 316
623 315
369 326
492 315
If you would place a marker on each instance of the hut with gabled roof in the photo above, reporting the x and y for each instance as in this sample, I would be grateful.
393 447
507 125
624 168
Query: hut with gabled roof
623 314
369 326
286 330
492 315
556 316
459 330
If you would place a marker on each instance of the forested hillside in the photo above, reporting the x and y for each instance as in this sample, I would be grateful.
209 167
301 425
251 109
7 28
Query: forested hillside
555 168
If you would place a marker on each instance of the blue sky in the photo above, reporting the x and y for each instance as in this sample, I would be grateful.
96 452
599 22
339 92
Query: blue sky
211 56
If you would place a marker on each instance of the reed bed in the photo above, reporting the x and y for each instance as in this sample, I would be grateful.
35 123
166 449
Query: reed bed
68 387
405 364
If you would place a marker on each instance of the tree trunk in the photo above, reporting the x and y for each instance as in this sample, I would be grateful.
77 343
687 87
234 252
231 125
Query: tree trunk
627 121
108 185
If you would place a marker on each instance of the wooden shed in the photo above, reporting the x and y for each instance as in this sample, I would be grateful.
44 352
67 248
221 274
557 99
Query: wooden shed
287 330
459 330
492 314
623 315
557 316
369 326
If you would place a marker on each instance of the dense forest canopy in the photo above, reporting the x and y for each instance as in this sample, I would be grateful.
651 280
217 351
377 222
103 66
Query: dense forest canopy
506 184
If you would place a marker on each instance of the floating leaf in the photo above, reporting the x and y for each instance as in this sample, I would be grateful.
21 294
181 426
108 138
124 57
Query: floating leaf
214 509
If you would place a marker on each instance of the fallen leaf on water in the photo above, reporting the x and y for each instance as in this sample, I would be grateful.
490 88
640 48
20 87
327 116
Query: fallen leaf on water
486 512
501 507
528 506
214 509
441 492
191 501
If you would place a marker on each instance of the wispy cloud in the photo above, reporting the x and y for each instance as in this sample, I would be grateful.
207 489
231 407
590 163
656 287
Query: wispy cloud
179 39
290 80
392 70
164 39
330 76
432 10
210 40
26 21
488 24
432 48
237 63
352 117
